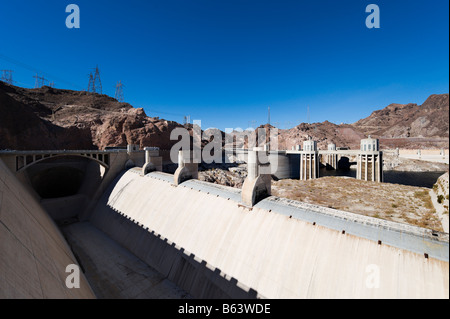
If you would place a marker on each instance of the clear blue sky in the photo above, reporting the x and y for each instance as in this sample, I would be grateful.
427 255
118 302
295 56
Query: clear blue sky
225 61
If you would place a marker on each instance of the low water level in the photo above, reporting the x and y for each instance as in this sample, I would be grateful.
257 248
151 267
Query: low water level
420 179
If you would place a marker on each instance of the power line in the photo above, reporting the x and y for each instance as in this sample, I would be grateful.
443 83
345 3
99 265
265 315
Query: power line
35 70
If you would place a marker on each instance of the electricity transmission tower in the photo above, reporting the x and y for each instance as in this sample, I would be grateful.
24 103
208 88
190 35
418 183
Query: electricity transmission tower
308 116
187 120
95 83
91 85
7 76
39 81
119 91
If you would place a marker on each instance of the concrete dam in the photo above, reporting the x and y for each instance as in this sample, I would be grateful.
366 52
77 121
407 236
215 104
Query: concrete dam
137 232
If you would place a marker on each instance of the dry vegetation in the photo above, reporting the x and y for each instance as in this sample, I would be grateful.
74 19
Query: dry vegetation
400 203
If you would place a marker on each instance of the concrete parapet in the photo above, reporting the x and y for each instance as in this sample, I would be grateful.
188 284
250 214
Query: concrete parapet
132 148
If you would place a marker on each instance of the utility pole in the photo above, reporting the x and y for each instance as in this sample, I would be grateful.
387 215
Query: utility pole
268 121
119 92
7 76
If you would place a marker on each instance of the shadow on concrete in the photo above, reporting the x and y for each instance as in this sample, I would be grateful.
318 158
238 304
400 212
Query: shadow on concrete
181 267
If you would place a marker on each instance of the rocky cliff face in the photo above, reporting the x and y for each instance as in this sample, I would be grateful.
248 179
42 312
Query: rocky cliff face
49 118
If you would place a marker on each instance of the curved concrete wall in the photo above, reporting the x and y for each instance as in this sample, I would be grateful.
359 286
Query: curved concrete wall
33 253
259 252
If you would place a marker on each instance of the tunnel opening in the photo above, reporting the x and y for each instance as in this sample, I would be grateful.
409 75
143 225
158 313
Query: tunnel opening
57 182
344 163
65 185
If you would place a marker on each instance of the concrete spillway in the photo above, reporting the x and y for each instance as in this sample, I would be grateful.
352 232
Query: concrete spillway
197 238
200 238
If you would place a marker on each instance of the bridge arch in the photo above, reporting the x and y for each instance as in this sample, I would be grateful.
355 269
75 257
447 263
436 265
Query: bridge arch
25 161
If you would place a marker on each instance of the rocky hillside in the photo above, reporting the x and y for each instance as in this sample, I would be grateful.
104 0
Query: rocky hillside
410 123
397 125
48 118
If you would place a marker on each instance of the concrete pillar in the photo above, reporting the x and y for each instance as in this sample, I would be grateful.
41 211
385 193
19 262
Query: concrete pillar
358 167
252 165
381 173
373 168
187 169
256 186
301 167
365 165
310 164
153 162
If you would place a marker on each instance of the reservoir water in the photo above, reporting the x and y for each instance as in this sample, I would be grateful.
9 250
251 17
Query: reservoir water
420 179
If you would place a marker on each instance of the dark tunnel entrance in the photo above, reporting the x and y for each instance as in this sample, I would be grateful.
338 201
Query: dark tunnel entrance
65 185
65 176
56 182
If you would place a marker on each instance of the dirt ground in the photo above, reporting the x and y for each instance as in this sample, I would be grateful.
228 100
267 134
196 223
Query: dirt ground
400 203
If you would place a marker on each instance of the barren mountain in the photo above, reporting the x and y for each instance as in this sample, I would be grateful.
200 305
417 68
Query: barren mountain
397 125
48 118
410 124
